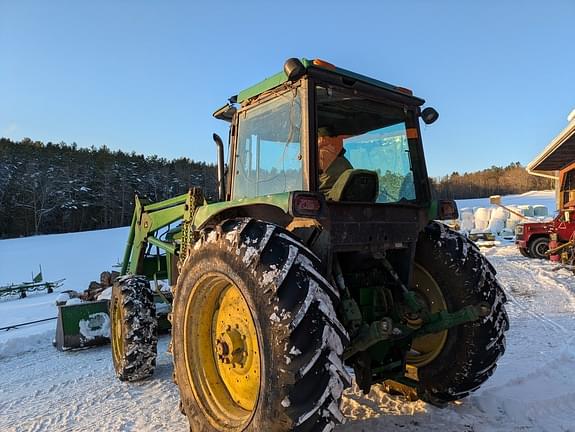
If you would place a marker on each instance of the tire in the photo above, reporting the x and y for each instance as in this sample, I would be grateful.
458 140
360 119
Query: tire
134 328
524 252
256 279
469 352
538 247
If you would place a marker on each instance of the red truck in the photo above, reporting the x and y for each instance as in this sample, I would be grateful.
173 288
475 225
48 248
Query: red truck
532 238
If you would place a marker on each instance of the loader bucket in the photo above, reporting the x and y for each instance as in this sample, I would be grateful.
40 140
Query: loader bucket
83 325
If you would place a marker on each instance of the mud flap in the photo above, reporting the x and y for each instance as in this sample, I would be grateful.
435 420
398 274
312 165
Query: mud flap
83 325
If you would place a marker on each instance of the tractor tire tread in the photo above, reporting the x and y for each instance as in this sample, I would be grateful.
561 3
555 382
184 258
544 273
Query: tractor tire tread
472 348
299 304
140 329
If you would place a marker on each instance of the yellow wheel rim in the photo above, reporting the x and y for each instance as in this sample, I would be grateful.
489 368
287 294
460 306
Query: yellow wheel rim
117 331
222 351
426 348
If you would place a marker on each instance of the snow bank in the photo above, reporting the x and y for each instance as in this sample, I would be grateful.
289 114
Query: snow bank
77 257
18 345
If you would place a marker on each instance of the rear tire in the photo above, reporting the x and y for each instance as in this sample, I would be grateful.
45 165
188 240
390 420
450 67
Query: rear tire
538 247
251 288
134 328
469 353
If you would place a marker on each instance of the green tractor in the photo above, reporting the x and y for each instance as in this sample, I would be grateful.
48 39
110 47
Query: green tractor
322 255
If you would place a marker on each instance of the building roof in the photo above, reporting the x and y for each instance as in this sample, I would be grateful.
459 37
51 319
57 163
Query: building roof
558 154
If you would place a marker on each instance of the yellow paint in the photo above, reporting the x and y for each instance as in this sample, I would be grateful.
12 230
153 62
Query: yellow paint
426 348
222 351
117 331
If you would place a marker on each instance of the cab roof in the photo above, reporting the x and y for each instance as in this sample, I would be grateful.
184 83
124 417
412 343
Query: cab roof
281 77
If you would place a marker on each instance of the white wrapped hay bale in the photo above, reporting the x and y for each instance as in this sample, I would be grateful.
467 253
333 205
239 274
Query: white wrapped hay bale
467 219
497 220
540 211
482 217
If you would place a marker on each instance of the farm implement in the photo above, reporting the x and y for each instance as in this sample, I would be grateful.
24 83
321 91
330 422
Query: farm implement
323 252
37 284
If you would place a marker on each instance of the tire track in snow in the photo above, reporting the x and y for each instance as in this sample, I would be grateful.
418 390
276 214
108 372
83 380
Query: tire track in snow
526 280
537 394
47 390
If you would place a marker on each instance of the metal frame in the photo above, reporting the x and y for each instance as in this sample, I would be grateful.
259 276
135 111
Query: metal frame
409 103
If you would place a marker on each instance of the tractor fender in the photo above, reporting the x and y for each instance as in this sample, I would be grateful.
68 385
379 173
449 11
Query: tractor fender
269 212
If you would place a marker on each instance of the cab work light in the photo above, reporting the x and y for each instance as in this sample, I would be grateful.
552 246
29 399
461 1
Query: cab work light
323 64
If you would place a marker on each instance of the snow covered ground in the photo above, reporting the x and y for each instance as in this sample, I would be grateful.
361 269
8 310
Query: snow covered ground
42 389
79 258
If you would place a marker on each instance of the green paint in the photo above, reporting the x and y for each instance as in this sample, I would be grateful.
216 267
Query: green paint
180 199
281 77
168 247
205 212
268 83
73 314
445 320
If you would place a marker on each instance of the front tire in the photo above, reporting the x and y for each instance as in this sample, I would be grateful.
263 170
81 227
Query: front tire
134 328
458 360
524 252
538 247
256 342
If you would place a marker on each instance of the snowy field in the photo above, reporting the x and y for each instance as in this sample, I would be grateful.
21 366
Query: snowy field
42 389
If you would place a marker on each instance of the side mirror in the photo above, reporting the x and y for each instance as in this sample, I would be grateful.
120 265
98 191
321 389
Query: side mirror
429 115
444 210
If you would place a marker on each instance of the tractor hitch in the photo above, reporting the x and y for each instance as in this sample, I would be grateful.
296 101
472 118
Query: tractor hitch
386 330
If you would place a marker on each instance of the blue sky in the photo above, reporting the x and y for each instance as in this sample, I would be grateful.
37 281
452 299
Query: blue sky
146 76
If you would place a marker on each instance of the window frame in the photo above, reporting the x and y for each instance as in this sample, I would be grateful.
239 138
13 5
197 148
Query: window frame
409 104
299 87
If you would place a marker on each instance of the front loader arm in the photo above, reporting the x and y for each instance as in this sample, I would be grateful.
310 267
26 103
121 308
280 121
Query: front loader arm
146 222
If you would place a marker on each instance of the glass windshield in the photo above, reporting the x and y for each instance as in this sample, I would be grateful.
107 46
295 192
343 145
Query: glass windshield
358 133
268 158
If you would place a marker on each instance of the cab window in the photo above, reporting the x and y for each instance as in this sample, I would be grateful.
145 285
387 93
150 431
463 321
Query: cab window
269 155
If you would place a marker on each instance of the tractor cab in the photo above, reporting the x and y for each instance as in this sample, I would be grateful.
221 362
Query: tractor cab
303 128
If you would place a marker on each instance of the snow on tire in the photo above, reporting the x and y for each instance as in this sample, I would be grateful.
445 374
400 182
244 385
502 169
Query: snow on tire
471 350
300 338
134 328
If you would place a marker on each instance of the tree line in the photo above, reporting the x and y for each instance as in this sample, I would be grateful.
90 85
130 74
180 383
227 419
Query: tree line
512 179
54 188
